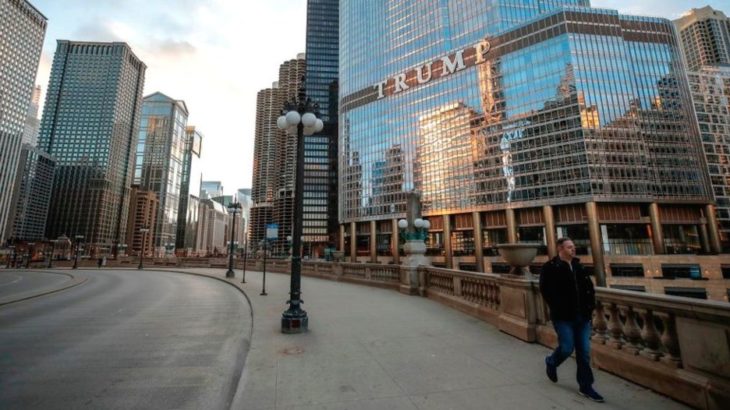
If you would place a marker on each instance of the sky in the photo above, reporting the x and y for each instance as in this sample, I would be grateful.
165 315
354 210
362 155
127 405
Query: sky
217 54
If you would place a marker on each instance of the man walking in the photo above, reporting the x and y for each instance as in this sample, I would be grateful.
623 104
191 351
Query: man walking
568 291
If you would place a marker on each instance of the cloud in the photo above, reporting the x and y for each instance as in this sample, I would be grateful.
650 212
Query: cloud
174 49
96 31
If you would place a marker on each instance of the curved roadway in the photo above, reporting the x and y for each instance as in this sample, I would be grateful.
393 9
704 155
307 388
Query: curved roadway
125 339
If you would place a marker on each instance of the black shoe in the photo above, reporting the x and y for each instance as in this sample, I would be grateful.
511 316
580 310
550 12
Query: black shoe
551 370
591 394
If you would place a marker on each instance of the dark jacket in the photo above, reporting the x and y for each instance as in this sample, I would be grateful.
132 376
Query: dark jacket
567 292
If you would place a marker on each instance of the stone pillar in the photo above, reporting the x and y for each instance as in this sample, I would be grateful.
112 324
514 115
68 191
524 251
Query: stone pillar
511 226
447 242
342 238
353 241
704 238
550 239
373 243
657 234
594 231
478 246
394 242
712 227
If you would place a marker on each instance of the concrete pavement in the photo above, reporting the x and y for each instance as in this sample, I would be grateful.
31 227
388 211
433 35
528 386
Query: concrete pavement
370 348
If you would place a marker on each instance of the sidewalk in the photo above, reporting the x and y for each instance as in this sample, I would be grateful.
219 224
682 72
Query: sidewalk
370 348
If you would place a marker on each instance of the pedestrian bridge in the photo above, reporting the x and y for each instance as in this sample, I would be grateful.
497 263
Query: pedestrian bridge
392 344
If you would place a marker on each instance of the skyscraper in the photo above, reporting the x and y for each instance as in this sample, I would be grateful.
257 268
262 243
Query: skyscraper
159 162
32 194
23 30
705 37
192 177
90 125
275 158
519 121
320 168
32 122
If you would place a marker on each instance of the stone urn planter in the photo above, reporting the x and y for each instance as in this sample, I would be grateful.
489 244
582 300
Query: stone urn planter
519 255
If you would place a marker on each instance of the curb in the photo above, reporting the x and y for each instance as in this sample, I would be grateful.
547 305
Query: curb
75 281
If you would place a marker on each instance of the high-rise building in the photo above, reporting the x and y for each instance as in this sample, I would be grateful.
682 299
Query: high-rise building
320 167
212 228
192 177
705 37
23 30
32 122
275 158
90 124
211 189
159 162
521 122
269 103
710 88
143 206
32 195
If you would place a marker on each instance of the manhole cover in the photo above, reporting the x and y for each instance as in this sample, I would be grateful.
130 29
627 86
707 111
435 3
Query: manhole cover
291 351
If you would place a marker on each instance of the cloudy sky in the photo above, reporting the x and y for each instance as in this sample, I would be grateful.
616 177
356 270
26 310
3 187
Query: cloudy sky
217 54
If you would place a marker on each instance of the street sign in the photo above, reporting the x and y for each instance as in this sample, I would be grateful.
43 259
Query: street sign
272 232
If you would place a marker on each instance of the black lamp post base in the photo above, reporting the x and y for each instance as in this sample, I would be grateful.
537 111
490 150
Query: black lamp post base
230 274
294 322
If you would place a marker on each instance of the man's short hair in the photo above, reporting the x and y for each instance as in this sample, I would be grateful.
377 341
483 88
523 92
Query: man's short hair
562 240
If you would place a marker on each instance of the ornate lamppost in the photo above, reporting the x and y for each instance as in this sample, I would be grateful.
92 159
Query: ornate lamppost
143 231
298 117
233 209
78 239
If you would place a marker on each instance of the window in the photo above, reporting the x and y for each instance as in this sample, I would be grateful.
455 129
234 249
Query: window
725 271
626 270
695 293
681 271
634 288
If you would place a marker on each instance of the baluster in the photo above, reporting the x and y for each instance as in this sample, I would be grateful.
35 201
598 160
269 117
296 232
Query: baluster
599 324
614 327
669 340
631 331
649 334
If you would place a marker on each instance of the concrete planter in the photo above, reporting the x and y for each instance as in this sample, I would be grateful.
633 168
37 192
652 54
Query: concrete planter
519 255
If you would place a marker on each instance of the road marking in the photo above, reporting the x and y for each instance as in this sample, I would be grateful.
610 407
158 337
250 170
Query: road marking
10 283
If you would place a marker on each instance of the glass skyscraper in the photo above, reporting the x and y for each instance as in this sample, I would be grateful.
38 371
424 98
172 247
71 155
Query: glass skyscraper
23 29
90 125
320 168
517 121
192 177
159 162
32 195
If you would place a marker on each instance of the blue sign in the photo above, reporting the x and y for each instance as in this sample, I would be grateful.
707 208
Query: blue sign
272 232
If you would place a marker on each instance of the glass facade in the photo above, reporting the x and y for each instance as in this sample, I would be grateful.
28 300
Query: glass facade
320 168
32 194
23 29
192 177
90 125
573 105
159 162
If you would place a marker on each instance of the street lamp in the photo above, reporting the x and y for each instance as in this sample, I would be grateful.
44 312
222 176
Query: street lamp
30 254
78 238
11 261
53 249
233 209
143 231
299 116
245 255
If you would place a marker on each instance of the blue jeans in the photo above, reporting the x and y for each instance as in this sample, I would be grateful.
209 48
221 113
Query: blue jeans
574 335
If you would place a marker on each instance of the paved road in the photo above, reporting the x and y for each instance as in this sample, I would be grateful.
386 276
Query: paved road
14 283
125 339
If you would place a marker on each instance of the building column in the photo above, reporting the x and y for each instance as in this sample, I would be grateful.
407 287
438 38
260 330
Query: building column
594 231
657 234
550 239
353 242
373 243
478 237
711 217
704 238
511 226
342 239
447 242
394 241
